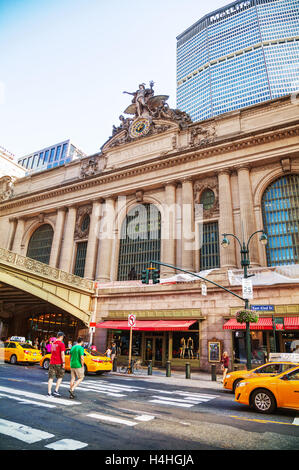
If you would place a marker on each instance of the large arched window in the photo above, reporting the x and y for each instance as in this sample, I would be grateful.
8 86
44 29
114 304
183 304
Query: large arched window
39 247
280 206
140 240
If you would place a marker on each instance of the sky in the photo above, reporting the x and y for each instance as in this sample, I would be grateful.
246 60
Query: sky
64 65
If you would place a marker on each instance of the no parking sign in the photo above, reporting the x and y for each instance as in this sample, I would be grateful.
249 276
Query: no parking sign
131 320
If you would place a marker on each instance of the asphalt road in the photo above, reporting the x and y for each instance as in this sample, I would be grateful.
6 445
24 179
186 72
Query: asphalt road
112 413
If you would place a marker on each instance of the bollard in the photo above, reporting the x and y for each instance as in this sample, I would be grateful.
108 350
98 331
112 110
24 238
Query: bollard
114 367
168 369
188 370
150 368
213 372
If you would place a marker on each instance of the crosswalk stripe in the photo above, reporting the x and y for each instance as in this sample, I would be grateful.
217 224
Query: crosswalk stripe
166 402
24 400
84 389
107 387
38 396
144 418
112 419
22 432
296 421
66 444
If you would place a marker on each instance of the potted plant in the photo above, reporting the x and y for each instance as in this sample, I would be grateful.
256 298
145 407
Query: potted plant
247 315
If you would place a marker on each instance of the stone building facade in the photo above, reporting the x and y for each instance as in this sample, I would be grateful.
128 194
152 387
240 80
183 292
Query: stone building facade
214 174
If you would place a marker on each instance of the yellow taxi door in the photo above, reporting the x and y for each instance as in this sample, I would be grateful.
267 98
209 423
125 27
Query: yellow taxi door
288 390
67 359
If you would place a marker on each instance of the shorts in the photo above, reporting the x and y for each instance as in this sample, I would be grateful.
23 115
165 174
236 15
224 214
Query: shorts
77 373
56 370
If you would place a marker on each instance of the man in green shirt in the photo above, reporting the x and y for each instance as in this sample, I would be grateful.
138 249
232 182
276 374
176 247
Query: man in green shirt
77 366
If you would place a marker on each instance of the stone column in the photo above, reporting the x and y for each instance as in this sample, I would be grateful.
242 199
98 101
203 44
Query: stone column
17 248
169 230
226 222
106 241
93 241
247 216
57 239
188 238
68 240
12 231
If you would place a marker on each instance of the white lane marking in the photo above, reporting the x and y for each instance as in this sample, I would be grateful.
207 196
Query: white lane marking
66 444
296 422
23 400
196 395
110 394
107 387
112 419
22 432
177 400
166 402
144 418
37 396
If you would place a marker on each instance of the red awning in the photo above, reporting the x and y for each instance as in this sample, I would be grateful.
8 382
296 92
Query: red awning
262 324
148 325
291 323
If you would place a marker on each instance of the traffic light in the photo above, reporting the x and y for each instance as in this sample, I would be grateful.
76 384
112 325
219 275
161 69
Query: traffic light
156 276
144 276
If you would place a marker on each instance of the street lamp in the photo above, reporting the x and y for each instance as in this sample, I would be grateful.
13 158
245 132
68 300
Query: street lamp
245 263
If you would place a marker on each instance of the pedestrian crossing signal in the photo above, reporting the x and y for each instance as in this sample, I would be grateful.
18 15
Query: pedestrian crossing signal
145 276
156 276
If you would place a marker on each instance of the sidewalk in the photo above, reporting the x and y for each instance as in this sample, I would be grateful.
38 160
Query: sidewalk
198 379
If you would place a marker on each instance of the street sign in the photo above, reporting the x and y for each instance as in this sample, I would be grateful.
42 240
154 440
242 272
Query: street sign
262 308
247 288
92 329
92 323
131 320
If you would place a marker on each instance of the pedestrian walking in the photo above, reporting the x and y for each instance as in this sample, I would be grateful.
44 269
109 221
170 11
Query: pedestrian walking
108 352
113 355
57 364
77 366
224 364
43 346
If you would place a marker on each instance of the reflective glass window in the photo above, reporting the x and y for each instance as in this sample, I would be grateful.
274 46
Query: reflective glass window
39 247
280 207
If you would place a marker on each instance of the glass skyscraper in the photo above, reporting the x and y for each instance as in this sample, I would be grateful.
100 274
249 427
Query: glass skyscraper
239 55
50 157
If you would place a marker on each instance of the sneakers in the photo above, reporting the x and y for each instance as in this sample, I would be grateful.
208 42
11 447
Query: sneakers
56 394
50 395
71 394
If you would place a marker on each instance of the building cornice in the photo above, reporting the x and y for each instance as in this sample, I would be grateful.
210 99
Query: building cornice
167 160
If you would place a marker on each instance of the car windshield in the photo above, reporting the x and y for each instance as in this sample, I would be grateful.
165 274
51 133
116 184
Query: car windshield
26 346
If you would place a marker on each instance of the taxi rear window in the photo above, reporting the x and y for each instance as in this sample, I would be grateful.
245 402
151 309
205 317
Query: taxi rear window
26 345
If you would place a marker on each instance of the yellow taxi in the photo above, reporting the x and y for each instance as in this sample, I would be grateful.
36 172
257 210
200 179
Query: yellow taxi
271 368
93 362
16 350
268 393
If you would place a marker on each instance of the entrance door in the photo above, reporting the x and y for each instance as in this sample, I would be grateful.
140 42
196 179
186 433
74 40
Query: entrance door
154 349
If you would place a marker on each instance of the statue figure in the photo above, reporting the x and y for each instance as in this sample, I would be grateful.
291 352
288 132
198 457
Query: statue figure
141 98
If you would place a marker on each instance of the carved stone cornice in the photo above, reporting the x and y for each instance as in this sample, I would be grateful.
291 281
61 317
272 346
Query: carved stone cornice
178 157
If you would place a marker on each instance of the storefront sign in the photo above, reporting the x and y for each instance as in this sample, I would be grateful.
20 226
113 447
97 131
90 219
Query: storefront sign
279 323
247 289
262 308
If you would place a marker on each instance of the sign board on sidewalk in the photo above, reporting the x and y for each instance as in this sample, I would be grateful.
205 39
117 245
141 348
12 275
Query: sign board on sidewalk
247 288
292 357
131 320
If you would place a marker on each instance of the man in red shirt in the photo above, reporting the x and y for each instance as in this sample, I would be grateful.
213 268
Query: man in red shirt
57 365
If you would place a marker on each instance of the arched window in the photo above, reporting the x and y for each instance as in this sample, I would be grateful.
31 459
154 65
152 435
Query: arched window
140 240
39 247
280 207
